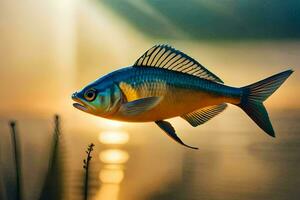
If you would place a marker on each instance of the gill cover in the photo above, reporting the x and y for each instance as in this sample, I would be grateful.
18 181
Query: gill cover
108 100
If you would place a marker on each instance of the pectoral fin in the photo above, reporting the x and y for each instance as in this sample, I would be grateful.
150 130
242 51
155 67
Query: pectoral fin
139 106
170 131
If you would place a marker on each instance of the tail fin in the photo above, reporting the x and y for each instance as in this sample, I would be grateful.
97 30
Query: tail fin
255 94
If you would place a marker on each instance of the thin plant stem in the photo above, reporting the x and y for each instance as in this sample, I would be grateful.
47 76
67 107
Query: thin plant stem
17 160
86 165
53 186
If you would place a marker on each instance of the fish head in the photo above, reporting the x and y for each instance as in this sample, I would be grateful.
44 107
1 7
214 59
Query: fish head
98 99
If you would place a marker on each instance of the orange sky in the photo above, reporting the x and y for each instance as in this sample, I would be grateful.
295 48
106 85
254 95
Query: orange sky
44 58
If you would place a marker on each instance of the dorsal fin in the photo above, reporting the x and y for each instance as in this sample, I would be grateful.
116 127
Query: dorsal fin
202 115
164 56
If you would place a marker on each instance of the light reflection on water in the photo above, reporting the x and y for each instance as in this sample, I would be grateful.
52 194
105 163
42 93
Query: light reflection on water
113 137
108 191
114 156
111 124
114 160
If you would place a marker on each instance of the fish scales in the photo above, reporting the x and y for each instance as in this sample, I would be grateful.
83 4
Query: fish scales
182 93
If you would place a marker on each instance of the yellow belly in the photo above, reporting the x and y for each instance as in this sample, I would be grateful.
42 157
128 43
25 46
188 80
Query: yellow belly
175 102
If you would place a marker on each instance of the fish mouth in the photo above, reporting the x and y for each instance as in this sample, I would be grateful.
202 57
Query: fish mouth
80 105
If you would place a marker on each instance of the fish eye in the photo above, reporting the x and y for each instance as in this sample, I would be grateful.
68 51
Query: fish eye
90 94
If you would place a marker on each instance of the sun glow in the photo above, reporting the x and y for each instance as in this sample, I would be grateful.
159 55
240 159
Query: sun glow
112 124
114 156
113 137
108 192
113 176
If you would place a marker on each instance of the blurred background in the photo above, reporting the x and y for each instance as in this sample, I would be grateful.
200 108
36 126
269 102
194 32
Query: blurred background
49 49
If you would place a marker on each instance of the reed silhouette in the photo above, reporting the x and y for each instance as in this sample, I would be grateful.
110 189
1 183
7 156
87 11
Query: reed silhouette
86 166
53 187
17 160
52 184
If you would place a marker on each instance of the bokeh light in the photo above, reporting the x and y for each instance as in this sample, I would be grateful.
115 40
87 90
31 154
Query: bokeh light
113 137
111 176
114 156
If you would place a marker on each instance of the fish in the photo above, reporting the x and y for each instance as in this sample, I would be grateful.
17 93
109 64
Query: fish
164 83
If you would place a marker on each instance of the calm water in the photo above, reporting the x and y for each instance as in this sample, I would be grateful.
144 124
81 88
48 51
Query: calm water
139 162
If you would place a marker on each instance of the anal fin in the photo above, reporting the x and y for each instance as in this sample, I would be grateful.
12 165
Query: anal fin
202 115
170 131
